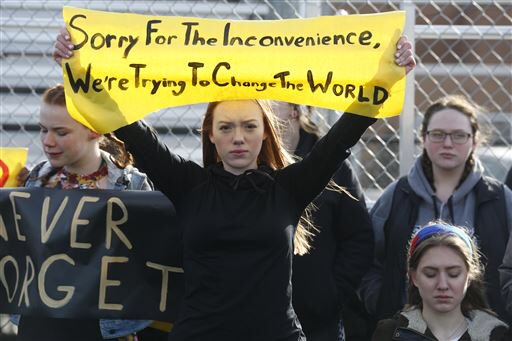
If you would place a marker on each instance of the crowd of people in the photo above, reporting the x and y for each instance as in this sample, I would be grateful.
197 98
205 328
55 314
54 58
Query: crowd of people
278 243
446 182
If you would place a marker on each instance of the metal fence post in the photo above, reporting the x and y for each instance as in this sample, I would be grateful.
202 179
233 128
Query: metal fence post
406 145
311 9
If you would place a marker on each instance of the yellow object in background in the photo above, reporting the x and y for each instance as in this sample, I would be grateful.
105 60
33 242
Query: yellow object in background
12 160
120 73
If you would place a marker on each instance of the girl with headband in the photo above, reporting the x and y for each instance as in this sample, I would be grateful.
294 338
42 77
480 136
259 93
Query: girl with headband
446 299
446 182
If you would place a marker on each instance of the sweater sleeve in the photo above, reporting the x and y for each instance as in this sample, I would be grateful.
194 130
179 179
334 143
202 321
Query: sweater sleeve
505 269
380 213
305 179
506 276
372 280
170 173
508 205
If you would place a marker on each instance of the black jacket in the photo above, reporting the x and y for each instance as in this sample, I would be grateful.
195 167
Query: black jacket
490 229
410 326
508 179
238 233
325 280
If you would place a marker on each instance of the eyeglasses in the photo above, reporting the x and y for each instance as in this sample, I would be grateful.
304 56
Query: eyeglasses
457 137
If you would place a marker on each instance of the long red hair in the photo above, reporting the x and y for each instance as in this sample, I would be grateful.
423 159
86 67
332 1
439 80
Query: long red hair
272 154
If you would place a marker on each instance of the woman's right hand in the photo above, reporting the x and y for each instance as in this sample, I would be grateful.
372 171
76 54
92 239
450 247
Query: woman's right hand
63 48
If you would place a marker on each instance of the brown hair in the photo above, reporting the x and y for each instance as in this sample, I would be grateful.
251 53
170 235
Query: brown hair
463 106
109 143
272 154
475 294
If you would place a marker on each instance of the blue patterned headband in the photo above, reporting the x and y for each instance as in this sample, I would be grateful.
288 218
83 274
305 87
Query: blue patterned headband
439 229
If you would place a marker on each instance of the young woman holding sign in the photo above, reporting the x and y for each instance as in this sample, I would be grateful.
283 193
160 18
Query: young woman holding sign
446 291
77 160
239 213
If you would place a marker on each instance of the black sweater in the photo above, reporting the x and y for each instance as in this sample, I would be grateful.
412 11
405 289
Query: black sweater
508 179
325 280
238 233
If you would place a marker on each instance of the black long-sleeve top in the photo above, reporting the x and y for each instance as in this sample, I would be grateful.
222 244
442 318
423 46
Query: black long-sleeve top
326 279
238 233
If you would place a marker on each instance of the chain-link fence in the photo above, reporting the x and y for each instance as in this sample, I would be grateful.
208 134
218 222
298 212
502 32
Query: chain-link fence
462 47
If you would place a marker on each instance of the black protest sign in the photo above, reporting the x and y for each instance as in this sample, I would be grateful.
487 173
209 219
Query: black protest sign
89 253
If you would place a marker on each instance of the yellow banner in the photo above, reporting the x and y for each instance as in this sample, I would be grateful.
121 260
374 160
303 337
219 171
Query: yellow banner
12 160
126 66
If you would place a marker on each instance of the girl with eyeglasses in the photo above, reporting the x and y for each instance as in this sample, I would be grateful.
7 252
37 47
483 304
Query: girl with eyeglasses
446 182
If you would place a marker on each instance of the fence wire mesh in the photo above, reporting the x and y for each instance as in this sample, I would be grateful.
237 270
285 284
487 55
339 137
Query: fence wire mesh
462 47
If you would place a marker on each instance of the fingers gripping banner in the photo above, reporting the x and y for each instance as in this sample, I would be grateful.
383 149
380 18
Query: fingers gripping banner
119 73
12 160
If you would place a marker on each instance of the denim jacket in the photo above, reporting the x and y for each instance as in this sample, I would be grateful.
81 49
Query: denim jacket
128 178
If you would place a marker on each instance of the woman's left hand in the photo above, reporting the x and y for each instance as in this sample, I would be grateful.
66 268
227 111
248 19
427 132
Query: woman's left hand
403 55
22 177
